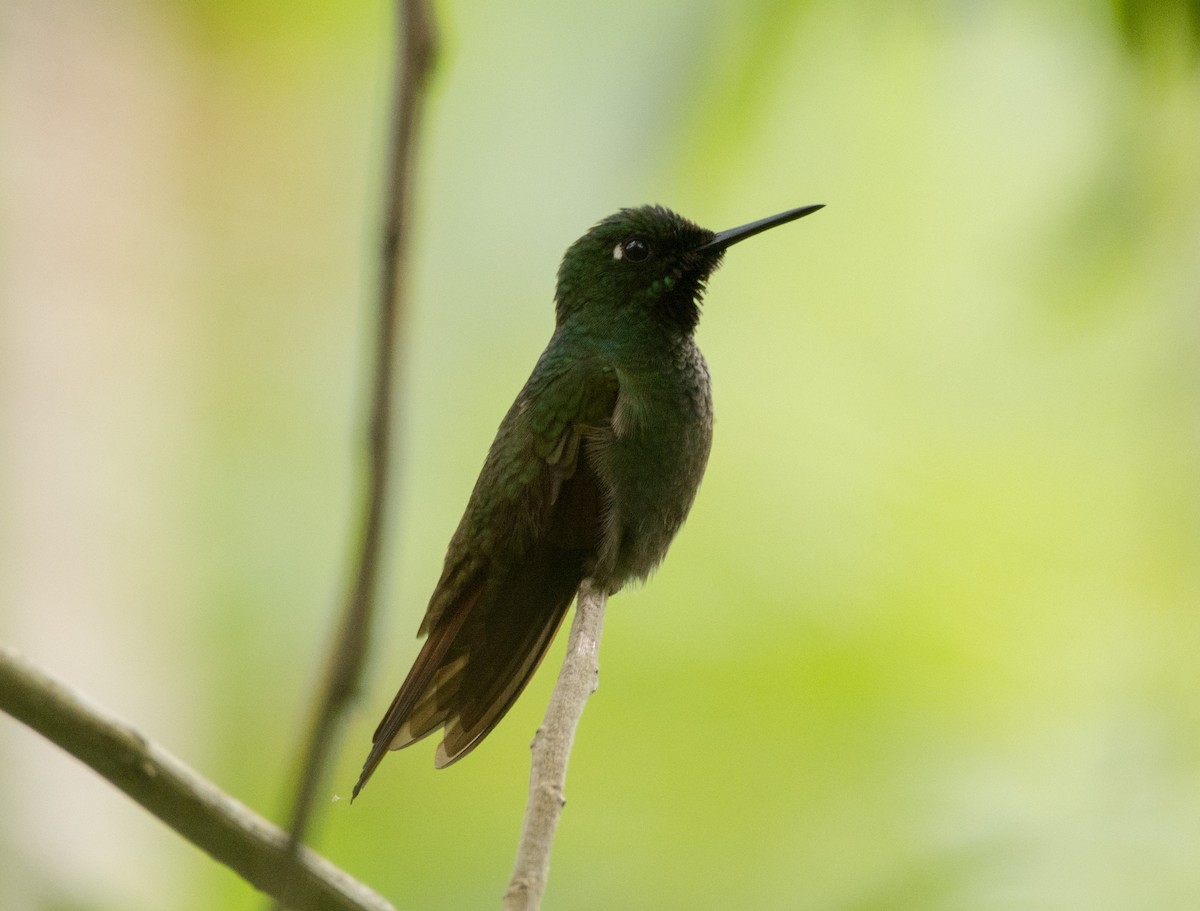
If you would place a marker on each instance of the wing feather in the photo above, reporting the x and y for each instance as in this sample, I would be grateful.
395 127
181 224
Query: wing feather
529 536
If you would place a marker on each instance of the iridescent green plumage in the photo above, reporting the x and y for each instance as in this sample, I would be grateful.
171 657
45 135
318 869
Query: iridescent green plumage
592 472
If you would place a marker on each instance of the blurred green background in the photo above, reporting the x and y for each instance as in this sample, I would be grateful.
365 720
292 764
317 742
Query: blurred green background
930 638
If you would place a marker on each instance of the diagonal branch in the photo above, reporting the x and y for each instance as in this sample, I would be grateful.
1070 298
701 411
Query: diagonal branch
551 749
416 44
194 807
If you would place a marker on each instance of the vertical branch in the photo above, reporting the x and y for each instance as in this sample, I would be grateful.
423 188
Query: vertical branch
415 50
551 749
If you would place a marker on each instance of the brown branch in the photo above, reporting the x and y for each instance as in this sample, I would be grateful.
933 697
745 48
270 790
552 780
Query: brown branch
416 44
551 749
194 807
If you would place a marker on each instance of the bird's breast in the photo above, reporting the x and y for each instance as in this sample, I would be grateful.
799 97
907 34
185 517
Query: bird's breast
651 460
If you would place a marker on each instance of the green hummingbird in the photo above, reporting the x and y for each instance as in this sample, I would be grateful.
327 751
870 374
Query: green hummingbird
592 472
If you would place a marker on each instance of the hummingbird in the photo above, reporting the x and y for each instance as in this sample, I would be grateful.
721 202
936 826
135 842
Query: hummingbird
593 470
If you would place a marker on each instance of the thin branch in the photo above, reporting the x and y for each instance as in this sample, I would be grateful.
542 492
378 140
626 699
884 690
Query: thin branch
551 749
415 50
192 806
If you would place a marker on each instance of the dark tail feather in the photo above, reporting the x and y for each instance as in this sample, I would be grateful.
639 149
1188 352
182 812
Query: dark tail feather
507 666
429 661
478 659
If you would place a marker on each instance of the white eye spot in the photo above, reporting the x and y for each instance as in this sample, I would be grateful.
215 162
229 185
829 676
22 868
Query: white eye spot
618 252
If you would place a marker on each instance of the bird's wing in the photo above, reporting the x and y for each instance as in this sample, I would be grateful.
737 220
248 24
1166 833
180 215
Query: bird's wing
531 529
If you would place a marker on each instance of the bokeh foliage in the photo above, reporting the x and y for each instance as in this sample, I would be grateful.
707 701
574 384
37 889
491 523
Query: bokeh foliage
929 639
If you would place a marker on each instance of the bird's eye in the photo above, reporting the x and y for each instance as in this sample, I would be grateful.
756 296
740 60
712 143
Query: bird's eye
635 250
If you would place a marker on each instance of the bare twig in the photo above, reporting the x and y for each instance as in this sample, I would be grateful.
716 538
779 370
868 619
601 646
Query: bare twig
551 749
416 43
192 806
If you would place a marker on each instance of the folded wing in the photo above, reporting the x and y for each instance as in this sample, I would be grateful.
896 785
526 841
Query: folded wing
529 536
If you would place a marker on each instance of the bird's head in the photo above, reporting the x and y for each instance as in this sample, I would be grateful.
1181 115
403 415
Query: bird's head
648 263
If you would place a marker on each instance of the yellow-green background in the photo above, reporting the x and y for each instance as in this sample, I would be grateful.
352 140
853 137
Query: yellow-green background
931 638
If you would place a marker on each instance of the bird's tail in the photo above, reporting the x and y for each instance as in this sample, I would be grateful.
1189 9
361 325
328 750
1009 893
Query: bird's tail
479 656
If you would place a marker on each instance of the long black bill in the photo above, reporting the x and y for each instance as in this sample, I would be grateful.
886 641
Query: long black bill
733 235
